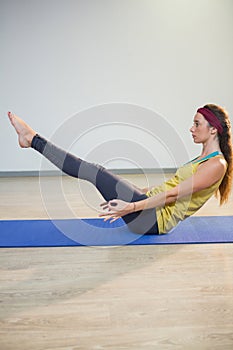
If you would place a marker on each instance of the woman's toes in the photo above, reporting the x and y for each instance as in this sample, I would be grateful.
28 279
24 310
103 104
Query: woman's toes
24 131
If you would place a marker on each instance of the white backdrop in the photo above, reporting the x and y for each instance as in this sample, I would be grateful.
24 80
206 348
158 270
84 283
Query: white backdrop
62 57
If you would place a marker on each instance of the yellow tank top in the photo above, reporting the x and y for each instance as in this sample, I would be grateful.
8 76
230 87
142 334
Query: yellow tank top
171 214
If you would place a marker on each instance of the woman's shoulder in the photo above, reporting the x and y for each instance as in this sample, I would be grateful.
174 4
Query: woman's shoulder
210 172
217 163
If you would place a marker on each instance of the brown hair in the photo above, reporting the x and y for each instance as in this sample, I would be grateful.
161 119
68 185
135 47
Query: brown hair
225 143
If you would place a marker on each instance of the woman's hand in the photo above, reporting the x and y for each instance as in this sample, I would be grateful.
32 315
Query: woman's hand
115 209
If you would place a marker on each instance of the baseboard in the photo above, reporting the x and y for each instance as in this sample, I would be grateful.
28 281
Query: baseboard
34 173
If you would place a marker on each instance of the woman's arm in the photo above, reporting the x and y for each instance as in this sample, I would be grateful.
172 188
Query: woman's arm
208 173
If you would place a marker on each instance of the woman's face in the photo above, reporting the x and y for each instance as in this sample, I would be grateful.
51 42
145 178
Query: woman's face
201 129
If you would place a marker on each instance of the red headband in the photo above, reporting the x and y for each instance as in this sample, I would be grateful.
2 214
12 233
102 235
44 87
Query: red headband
211 118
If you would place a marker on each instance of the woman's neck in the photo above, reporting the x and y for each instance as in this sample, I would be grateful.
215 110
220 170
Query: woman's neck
209 148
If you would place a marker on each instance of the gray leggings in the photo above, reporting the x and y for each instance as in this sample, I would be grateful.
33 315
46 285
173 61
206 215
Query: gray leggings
109 185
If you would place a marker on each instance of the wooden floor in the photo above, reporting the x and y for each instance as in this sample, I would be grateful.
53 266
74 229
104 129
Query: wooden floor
130 297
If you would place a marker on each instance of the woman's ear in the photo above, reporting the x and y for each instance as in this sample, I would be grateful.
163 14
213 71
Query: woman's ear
213 130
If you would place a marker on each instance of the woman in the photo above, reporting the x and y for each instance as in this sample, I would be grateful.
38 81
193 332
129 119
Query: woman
156 210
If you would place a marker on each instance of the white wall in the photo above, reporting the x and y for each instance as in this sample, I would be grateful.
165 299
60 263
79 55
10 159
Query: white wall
61 58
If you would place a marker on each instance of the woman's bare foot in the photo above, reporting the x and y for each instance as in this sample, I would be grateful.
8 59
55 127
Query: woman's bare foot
24 131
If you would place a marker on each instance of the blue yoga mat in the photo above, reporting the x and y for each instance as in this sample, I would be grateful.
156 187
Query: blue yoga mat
96 232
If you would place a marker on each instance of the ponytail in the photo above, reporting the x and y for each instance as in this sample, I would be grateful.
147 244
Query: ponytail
225 143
